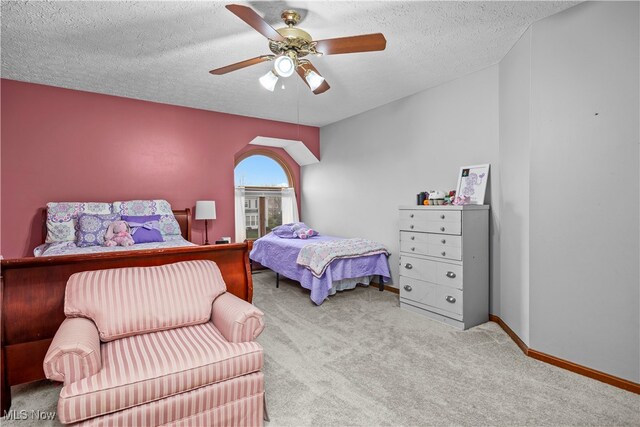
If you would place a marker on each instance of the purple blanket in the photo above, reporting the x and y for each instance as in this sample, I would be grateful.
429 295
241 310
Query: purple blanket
280 256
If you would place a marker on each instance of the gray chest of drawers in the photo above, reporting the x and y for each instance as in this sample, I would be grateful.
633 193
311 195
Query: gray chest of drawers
444 263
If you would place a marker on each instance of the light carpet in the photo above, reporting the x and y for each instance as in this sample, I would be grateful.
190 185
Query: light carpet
359 360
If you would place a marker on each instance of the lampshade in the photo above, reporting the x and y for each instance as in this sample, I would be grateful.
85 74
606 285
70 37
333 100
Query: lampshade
314 79
205 209
284 66
269 80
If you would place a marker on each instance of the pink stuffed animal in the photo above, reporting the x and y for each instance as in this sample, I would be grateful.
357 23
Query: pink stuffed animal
461 200
118 233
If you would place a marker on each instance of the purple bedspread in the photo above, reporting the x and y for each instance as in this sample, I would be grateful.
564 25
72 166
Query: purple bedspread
280 255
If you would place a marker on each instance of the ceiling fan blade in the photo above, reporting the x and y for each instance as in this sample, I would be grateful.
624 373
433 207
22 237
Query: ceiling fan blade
241 64
302 69
363 43
252 18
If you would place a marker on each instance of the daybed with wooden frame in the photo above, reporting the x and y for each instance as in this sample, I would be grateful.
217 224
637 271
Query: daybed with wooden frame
32 296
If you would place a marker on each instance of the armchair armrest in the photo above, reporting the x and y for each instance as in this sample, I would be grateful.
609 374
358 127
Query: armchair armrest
74 352
236 319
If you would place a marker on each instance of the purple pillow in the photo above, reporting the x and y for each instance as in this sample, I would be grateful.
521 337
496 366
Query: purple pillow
284 231
92 228
144 229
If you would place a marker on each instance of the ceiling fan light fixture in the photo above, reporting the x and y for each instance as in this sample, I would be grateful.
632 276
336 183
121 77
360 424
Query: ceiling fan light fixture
284 66
268 81
314 79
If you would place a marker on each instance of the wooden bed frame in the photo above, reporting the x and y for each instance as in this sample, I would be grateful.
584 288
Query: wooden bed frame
32 296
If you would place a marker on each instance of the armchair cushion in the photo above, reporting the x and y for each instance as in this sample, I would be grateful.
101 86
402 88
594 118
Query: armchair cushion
74 352
135 300
236 319
235 402
145 368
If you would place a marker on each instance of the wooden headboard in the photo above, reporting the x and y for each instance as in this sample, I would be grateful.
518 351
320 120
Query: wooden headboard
182 216
184 221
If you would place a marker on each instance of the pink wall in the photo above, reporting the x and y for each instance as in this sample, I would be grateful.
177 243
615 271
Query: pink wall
65 145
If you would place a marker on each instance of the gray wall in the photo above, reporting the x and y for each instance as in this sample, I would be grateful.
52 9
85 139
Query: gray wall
376 161
515 145
564 188
585 284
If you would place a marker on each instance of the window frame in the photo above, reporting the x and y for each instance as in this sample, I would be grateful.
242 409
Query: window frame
288 173
273 156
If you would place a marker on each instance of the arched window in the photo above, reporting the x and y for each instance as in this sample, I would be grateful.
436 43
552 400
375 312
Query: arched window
265 196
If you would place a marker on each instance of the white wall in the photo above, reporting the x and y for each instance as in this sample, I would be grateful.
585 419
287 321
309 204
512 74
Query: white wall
565 183
584 213
376 161
515 146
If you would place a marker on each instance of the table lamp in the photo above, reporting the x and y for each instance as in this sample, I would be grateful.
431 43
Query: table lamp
206 209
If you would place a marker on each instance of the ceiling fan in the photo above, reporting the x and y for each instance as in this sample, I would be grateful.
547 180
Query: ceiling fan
291 44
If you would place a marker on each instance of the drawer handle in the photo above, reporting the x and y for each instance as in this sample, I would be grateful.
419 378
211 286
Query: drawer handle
450 299
413 237
443 253
441 228
443 241
408 288
408 266
411 216
413 249
411 226
451 274
441 216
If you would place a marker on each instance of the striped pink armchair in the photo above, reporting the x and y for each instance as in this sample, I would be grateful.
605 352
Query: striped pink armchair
153 346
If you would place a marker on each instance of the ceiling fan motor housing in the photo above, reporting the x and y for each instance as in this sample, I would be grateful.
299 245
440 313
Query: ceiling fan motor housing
295 38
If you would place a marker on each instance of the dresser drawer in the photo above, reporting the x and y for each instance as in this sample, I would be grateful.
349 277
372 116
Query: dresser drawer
431 244
431 215
434 226
441 273
433 239
441 297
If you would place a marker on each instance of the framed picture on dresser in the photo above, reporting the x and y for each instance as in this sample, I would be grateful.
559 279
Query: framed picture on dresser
472 182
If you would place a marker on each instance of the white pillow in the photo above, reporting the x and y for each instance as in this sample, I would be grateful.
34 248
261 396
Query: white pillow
61 231
62 218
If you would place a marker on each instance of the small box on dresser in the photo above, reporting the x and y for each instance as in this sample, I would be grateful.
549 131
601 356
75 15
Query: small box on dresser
444 263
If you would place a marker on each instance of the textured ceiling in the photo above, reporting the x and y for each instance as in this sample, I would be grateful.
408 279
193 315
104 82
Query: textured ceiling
162 51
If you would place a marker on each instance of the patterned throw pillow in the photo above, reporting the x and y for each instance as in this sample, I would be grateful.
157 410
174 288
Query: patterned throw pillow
168 224
92 228
61 231
62 218
144 229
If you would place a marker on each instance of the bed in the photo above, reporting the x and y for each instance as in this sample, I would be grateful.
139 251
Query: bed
60 226
281 255
32 295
